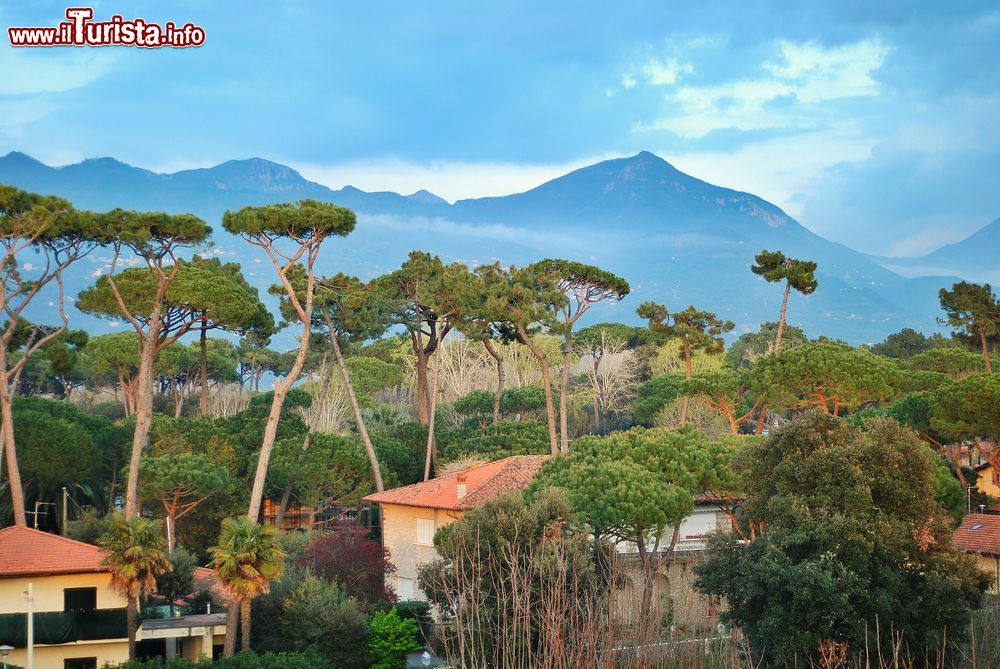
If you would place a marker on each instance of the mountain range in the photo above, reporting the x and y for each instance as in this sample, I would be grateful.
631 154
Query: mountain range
678 240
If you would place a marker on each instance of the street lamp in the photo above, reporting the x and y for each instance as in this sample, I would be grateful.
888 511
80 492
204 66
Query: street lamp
4 652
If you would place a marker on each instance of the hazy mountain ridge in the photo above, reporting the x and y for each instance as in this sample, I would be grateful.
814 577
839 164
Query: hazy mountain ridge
973 258
677 239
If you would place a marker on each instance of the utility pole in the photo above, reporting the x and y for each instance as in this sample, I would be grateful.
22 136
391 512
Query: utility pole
64 514
31 626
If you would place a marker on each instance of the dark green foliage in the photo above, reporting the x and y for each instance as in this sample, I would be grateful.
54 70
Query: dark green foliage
628 335
54 451
829 375
178 583
751 346
518 402
955 362
522 400
854 537
311 658
390 639
420 611
906 343
303 612
653 395
775 266
974 311
477 404
400 463
500 440
89 527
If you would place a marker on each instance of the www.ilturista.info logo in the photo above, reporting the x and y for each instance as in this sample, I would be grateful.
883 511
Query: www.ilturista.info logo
81 30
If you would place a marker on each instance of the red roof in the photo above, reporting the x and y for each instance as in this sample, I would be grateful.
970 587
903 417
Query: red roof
481 483
28 552
978 533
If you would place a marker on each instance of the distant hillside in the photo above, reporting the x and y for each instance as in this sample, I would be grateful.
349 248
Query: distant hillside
974 258
677 239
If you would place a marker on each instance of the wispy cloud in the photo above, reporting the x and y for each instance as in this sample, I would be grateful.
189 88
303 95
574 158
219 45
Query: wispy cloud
786 95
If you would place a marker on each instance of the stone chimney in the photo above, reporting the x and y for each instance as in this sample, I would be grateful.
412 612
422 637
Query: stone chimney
461 488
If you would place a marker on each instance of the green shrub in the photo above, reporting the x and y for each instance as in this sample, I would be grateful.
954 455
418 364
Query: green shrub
419 611
390 639
309 659
499 440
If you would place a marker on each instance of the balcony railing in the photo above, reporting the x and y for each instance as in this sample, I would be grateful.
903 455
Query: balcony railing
64 626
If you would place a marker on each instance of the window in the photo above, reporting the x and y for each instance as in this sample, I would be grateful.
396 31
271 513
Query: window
79 599
425 531
80 662
404 588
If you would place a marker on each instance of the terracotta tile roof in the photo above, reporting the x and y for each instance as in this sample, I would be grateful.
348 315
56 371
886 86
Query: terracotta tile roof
482 483
208 579
24 552
978 533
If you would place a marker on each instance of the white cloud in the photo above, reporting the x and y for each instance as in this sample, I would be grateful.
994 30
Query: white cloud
450 180
830 73
664 72
802 76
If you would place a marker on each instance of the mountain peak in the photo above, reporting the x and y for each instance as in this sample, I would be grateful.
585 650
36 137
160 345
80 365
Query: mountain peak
250 174
424 196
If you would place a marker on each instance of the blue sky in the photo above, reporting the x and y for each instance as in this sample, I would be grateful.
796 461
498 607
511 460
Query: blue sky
873 123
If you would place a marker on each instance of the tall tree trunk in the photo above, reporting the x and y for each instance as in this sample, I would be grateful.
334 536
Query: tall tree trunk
648 584
10 446
564 391
431 444
203 342
491 349
550 409
324 393
279 519
598 390
132 623
143 413
271 427
781 320
761 418
422 399
358 417
687 362
232 627
245 625
178 400
986 353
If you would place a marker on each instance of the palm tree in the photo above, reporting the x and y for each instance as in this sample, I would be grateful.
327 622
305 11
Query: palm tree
247 559
135 556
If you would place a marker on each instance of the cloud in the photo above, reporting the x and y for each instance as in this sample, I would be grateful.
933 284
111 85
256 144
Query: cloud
830 73
447 179
801 76
665 72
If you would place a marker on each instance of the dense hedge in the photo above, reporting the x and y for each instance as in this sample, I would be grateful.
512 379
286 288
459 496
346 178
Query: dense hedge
311 659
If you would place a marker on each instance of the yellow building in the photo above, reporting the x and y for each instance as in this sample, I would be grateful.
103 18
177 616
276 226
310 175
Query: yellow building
79 621
979 535
989 480
412 514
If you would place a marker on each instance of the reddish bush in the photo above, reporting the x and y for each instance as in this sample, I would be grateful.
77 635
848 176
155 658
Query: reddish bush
347 556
